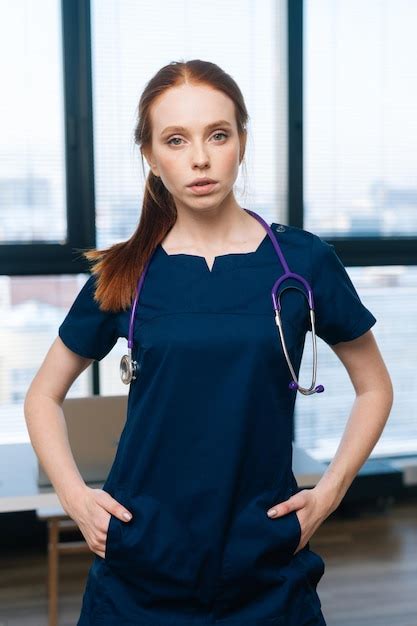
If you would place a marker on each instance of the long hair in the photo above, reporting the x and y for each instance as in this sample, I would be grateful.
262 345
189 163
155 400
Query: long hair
118 267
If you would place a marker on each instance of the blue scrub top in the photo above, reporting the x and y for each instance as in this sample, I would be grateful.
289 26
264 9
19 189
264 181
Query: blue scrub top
206 448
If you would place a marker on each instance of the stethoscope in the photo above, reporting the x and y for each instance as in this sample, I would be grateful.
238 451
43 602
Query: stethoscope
129 368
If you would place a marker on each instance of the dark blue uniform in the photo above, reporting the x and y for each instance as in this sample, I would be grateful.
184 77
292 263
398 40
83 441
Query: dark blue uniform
207 445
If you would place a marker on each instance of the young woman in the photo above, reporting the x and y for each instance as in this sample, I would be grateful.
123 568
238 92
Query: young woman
206 451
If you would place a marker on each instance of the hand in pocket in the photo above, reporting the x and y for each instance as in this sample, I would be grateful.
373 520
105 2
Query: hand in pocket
92 513
309 508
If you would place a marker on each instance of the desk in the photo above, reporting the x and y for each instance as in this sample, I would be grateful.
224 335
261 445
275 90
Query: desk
19 490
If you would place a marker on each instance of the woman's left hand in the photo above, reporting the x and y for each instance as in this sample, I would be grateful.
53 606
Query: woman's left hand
311 510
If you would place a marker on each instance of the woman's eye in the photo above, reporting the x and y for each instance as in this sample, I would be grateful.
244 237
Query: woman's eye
221 133
179 138
173 138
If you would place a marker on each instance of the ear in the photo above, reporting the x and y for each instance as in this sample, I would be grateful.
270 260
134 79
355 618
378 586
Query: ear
242 147
149 159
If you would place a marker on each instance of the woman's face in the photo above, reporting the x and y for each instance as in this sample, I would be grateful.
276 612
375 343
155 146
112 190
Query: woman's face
179 156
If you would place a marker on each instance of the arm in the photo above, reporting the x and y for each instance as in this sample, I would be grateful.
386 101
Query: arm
90 508
371 408
46 422
370 411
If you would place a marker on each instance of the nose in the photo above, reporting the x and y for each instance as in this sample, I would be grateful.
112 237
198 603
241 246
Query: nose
199 157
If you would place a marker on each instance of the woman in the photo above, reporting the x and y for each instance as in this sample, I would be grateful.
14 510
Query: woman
206 451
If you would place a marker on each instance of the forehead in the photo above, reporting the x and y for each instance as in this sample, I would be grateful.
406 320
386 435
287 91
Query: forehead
192 107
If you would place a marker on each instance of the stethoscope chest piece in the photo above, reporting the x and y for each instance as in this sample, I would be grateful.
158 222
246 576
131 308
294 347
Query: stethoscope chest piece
128 368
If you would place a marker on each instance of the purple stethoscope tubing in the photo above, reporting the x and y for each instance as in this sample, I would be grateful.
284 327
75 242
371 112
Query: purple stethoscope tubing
128 368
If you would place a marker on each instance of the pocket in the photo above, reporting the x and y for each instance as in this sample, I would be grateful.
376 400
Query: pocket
297 522
111 537
113 525
154 552
257 548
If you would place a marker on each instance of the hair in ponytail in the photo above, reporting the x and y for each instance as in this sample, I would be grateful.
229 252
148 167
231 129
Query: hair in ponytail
118 267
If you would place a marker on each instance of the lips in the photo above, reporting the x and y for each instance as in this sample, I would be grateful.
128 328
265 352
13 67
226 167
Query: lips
201 182
201 190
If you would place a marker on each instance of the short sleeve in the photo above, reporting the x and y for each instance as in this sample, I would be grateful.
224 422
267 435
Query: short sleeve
340 315
86 329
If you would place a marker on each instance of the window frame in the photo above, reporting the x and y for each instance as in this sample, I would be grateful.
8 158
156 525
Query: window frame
48 259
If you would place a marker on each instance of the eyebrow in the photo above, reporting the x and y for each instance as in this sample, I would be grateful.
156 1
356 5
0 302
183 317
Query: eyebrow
174 129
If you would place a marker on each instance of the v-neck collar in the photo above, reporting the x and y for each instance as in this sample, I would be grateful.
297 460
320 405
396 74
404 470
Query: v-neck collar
230 259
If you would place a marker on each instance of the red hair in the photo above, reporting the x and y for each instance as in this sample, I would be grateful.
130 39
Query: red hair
118 267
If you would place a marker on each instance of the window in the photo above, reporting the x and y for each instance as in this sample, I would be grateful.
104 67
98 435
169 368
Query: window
391 294
32 163
71 177
31 309
360 193
360 127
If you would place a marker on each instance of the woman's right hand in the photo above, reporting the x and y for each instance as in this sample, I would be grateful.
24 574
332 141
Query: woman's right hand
92 513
